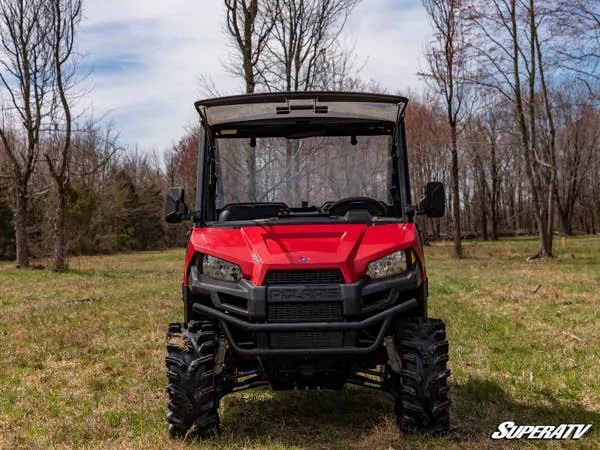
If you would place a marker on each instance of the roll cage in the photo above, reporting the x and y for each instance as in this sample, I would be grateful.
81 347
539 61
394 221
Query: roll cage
297 115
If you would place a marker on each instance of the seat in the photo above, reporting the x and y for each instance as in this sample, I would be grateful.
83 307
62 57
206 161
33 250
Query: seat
250 211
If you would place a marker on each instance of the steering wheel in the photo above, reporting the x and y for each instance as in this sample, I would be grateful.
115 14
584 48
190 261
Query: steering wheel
341 207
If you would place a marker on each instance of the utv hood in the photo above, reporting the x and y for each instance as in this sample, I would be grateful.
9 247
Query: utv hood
258 249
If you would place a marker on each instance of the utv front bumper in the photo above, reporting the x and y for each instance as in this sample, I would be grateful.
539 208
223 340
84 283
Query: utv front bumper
296 319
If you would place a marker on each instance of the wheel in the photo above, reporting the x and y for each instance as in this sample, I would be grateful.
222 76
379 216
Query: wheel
422 404
193 399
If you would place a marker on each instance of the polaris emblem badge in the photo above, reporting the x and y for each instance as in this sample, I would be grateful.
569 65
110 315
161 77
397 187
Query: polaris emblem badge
303 259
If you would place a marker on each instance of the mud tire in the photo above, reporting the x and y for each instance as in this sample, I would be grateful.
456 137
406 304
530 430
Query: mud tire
422 405
192 408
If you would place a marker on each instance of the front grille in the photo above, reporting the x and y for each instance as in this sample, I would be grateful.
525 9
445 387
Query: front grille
307 339
330 276
305 312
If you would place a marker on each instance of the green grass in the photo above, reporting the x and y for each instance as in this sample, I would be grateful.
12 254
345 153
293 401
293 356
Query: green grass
83 356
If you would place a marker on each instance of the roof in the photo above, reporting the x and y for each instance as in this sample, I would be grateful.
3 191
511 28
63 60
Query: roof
294 114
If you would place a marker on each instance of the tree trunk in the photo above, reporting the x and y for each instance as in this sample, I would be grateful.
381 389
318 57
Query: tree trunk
289 161
566 219
519 220
484 222
251 167
481 195
494 220
494 192
550 217
567 223
296 175
20 219
547 250
435 229
455 194
60 239
528 135
250 86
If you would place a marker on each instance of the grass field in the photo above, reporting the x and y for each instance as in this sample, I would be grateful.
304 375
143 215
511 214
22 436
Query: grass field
83 356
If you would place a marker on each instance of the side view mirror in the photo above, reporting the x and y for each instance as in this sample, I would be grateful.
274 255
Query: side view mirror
176 211
434 203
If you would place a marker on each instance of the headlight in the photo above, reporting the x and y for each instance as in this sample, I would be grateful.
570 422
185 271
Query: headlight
387 266
220 270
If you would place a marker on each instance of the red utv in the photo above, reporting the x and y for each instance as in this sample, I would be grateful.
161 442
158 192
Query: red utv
304 268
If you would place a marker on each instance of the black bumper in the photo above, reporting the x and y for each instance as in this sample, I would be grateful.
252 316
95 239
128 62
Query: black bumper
245 306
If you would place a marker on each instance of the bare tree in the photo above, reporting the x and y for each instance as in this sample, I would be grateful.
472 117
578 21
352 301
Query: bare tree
576 41
64 17
509 44
26 81
249 25
447 65
304 42
286 46
305 33
578 137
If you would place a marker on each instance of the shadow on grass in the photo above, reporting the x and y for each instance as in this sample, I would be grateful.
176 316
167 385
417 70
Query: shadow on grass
323 419
480 405
363 418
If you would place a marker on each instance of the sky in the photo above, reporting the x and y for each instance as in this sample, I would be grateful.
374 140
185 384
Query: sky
146 59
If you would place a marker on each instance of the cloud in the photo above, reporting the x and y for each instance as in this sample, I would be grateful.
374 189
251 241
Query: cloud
390 36
147 57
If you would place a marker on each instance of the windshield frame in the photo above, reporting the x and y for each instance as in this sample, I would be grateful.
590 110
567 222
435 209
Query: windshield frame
207 183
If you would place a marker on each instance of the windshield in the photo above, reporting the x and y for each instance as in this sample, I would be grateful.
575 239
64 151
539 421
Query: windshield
302 172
